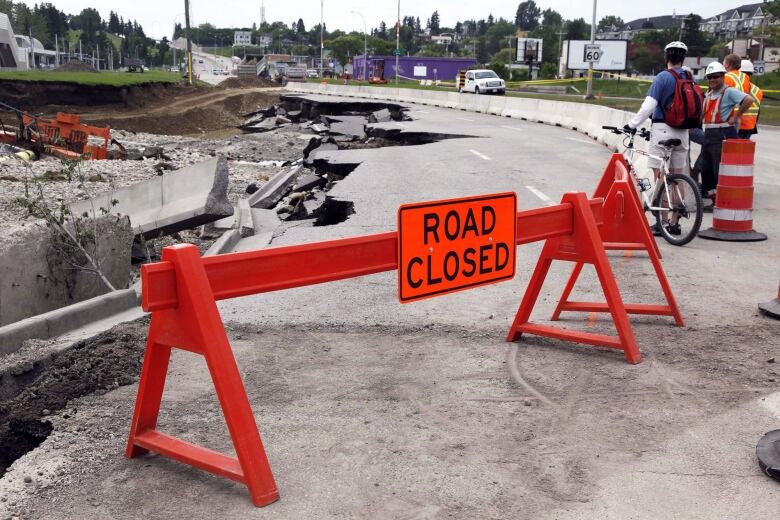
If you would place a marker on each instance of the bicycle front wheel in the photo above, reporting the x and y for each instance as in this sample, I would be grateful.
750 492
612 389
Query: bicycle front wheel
680 209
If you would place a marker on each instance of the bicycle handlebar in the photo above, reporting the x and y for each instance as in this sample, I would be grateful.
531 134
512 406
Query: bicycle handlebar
642 132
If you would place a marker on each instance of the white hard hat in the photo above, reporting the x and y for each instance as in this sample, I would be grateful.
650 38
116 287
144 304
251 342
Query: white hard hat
747 66
715 67
676 47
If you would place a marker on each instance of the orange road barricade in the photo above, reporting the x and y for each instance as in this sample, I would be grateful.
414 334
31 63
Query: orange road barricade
181 293
732 217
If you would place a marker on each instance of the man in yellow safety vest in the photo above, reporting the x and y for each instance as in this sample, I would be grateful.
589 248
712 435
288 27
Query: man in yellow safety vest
737 79
749 122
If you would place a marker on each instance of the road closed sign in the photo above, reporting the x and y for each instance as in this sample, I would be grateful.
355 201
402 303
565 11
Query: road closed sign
451 245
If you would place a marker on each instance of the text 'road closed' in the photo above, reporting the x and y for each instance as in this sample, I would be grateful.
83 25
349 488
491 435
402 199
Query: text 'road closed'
451 245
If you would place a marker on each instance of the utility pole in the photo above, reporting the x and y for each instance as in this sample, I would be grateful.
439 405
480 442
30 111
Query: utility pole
560 53
589 92
365 44
322 37
189 41
397 42
57 49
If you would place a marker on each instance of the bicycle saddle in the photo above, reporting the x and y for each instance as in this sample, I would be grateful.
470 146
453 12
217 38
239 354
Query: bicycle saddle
670 142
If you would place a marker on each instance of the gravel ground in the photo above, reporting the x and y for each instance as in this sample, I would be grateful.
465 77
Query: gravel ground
252 158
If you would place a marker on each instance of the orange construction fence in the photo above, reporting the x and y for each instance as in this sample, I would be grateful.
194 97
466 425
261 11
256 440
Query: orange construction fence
182 291
66 137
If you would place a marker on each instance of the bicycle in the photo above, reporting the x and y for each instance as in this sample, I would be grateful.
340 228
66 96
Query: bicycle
677 205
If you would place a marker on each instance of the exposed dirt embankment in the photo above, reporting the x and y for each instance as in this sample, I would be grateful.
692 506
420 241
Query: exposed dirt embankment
29 95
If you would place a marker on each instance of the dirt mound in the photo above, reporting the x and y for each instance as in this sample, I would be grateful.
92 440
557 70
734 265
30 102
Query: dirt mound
76 66
247 82
99 364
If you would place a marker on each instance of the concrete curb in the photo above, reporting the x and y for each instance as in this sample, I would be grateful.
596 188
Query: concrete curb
60 321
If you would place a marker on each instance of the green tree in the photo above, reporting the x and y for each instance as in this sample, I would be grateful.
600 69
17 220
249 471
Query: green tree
300 28
345 46
698 41
433 24
608 21
527 15
577 29
552 23
496 36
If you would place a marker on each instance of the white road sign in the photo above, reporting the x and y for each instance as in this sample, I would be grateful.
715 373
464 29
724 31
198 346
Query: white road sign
759 67
610 55
592 53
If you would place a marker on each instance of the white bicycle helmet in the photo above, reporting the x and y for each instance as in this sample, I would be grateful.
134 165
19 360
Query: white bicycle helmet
676 47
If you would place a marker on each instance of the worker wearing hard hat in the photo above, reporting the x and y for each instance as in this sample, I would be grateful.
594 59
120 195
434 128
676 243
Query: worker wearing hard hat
749 121
723 106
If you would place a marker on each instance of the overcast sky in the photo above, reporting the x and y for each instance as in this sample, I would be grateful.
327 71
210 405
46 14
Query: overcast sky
157 16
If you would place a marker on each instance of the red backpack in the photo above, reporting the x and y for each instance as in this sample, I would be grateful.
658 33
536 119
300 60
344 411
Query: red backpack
687 106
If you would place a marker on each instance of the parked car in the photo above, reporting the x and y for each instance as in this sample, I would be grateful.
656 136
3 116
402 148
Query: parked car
312 73
483 81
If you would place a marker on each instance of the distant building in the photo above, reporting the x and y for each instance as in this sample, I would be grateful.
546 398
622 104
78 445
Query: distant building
698 65
652 23
17 52
411 67
739 22
442 39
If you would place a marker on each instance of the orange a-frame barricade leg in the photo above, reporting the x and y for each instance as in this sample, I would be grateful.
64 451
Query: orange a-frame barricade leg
584 245
624 227
195 325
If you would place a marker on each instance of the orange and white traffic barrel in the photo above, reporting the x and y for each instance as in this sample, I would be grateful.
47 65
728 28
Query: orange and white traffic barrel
732 217
772 308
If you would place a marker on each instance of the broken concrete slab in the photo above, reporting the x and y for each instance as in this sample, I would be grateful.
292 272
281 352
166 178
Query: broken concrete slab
282 120
308 182
262 126
351 127
314 204
246 225
380 116
319 128
179 200
265 222
277 187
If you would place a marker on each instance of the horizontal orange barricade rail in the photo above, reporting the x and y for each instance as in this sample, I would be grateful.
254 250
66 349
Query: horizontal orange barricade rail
242 274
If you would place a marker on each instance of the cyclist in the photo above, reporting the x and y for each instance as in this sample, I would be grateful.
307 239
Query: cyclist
658 99
723 106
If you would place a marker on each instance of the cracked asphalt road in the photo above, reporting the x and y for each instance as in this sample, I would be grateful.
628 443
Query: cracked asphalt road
373 409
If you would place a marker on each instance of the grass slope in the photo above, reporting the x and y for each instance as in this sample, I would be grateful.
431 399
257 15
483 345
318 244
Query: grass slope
116 79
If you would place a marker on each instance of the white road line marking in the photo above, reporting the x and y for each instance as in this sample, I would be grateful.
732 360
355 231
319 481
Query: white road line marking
512 128
481 155
581 140
464 119
544 198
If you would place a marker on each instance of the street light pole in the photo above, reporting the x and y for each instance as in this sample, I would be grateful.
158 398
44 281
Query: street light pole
322 36
365 45
397 41
560 53
189 41
589 92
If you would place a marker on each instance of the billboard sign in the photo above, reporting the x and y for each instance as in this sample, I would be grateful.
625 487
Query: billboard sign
529 49
605 55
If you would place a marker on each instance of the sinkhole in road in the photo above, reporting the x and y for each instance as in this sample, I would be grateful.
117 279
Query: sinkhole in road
334 211
36 386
